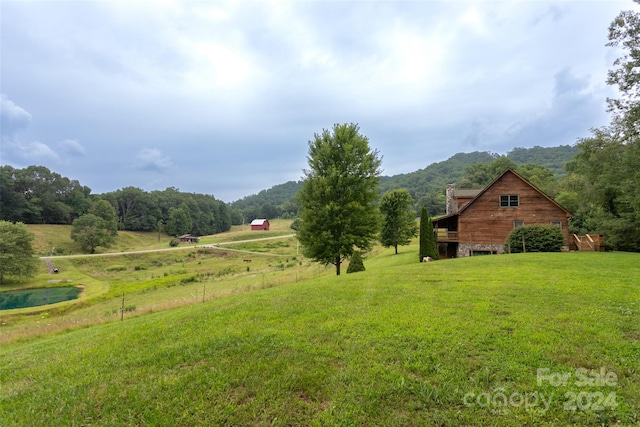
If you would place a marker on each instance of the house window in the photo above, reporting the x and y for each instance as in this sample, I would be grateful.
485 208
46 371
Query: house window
557 224
509 201
517 224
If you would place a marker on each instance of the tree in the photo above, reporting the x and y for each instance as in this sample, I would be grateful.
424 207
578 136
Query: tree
337 199
91 231
603 179
268 211
624 32
179 222
106 211
479 175
535 238
398 223
541 177
16 251
355 263
427 239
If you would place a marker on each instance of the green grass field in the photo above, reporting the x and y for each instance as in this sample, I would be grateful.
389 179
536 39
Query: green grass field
526 339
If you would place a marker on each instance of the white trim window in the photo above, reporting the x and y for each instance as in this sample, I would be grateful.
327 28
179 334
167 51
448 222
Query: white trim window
517 224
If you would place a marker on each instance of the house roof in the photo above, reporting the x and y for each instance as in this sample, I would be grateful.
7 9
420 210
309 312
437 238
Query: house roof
259 221
466 192
511 171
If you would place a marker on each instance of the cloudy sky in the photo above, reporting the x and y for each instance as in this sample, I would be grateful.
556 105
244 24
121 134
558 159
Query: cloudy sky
222 97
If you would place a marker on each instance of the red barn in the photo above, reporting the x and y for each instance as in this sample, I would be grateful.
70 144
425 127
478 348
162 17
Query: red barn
260 224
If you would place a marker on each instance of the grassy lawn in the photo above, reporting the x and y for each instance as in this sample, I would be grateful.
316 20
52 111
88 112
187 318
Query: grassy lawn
527 339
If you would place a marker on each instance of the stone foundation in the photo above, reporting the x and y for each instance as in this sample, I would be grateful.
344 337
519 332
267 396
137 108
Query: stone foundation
466 249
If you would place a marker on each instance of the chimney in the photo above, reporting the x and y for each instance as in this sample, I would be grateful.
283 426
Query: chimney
450 200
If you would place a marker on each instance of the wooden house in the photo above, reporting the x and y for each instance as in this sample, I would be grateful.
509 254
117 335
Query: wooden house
260 224
479 221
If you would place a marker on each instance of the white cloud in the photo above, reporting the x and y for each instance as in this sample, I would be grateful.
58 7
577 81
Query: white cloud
151 159
72 147
12 116
252 82
32 153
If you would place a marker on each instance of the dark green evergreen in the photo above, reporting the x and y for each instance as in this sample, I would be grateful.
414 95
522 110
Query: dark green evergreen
355 263
427 239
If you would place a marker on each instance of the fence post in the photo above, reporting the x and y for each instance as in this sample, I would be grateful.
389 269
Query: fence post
122 309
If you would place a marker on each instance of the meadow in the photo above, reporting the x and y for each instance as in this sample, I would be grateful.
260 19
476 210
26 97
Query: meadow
523 339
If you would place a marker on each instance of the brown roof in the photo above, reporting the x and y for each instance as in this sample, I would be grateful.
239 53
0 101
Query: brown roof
466 192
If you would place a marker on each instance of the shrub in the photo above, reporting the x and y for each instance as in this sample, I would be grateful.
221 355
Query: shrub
174 242
189 279
355 264
116 267
537 238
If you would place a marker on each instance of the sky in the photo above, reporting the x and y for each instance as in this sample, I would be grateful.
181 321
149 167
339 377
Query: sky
223 97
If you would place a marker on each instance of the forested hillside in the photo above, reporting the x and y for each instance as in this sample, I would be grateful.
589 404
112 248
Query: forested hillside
426 186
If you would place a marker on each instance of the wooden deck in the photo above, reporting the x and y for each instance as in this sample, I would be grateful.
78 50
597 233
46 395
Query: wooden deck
444 235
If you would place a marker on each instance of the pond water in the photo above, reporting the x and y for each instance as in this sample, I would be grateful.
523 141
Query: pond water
37 297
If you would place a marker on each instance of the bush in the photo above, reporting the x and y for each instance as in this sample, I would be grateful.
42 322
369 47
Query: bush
537 238
174 242
355 264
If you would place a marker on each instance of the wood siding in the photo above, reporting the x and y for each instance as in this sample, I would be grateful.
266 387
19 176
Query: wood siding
485 222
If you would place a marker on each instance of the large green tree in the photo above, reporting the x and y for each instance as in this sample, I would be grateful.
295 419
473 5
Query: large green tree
337 198
398 219
427 239
106 211
603 181
602 185
16 251
179 222
91 231
624 33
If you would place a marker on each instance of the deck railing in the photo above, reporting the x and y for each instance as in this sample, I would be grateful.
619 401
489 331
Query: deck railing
589 242
444 235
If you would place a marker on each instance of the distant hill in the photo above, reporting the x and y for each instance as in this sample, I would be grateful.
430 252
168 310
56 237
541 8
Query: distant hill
426 185
553 158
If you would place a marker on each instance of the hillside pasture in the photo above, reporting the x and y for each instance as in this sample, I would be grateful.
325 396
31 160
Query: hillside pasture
475 341
56 240
151 281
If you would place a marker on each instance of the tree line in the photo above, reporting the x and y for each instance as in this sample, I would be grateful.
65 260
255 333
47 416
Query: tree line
36 195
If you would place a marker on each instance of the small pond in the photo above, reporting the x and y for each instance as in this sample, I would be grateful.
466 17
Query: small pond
35 297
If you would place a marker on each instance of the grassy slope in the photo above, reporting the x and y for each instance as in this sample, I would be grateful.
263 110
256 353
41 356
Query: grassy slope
58 238
400 344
